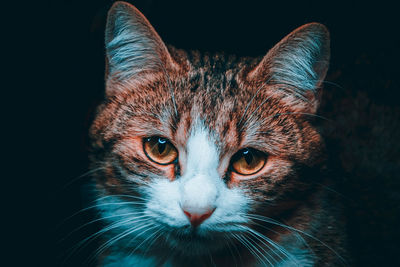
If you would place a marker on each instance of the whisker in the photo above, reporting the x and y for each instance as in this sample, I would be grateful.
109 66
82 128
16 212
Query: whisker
251 100
336 192
80 177
272 221
300 113
170 88
268 240
249 246
298 92
266 253
96 206
281 249
127 196
228 243
334 84
241 242
100 219
152 238
259 106
298 236
211 258
160 233
118 237
89 239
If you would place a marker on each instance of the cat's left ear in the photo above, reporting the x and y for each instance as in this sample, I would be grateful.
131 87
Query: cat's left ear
299 61
133 47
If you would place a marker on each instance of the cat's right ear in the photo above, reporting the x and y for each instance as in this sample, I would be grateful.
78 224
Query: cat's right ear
133 47
297 64
301 59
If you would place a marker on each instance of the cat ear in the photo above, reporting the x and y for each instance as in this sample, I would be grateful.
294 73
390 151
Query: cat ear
132 44
299 60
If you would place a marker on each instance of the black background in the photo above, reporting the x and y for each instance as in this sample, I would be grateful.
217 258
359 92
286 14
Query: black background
57 78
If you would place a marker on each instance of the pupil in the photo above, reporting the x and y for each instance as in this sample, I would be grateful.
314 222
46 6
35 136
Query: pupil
248 157
161 145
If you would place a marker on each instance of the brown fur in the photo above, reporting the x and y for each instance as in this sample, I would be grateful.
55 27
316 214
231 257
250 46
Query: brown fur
242 108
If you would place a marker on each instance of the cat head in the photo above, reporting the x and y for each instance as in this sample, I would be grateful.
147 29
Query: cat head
195 146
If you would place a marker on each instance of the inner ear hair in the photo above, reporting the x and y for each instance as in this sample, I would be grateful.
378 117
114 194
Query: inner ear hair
300 60
132 44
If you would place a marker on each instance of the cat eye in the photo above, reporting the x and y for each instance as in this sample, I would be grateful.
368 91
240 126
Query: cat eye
248 161
159 150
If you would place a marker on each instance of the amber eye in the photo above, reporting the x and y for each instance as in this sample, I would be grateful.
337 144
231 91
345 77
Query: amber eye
159 150
248 161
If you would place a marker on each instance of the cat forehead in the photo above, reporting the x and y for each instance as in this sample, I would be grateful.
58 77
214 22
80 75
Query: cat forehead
214 84
207 86
210 92
211 89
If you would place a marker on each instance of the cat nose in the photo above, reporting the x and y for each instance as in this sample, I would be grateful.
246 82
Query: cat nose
196 218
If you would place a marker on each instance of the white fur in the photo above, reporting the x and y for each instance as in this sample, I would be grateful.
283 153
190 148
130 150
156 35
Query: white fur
198 189
200 184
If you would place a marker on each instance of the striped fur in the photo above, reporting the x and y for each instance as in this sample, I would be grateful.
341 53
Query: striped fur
210 106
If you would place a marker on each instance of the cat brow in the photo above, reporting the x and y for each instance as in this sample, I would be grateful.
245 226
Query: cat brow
170 88
251 100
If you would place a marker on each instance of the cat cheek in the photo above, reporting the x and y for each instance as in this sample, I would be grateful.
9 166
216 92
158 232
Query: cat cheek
236 179
169 172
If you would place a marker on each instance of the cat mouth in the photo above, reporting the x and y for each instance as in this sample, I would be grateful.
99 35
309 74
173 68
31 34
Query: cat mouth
197 240
195 244
188 233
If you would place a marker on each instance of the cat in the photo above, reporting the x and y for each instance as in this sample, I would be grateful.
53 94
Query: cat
212 160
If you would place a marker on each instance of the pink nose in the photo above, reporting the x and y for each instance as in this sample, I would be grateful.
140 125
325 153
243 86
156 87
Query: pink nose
197 218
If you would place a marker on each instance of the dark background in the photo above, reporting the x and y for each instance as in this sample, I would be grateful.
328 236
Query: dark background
61 43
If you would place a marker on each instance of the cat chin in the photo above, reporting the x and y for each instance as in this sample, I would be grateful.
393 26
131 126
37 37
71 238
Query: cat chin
196 247
195 243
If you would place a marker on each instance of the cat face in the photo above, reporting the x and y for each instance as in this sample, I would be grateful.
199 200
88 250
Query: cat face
192 147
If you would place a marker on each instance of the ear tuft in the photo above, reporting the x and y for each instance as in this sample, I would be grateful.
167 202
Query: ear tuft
132 44
300 60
